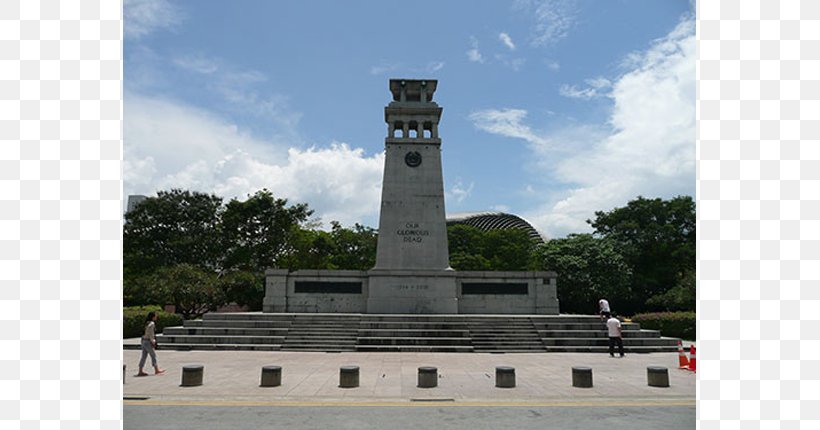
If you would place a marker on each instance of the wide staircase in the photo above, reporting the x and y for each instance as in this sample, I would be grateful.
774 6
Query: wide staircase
406 333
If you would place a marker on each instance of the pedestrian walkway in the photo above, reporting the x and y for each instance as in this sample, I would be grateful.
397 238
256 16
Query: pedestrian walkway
313 377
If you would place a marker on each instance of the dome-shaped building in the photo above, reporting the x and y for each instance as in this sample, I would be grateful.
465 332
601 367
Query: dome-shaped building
487 221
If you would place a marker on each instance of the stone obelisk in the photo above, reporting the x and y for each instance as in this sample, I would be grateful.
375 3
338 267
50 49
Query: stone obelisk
412 272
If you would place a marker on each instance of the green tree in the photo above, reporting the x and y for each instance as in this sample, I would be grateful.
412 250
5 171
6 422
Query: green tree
259 231
193 291
657 238
588 268
353 248
308 249
175 227
681 297
243 288
497 250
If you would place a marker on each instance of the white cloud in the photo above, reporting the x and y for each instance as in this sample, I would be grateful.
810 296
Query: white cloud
141 17
645 148
435 66
597 87
554 66
198 64
553 19
169 145
507 41
506 122
242 90
384 68
473 54
458 192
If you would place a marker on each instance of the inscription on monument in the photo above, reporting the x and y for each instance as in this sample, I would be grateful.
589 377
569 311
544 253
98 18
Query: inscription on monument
412 233
412 287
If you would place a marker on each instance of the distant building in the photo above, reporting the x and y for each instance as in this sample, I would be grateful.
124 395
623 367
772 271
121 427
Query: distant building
133 201
487 221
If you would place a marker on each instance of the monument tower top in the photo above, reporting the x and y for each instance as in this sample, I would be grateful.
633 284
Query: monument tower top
412 116
413 90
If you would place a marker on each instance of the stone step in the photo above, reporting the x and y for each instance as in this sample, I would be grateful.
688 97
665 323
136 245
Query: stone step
329 327
605 342
237 323
414 341
598 333
533 343
318 347
413 333
513 337
340 332
529 332
162 339
219 347
226 331
414 348
605 349
581 326
529 348
258 316
320 341
319 338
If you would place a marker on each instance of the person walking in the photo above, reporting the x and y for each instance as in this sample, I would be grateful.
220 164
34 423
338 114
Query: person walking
149 342
603 308
613 325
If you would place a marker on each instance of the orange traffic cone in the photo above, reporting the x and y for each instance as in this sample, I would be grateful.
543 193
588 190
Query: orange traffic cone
683 362
692 359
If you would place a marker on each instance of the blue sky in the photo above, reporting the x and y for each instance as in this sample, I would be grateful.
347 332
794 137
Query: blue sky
553 109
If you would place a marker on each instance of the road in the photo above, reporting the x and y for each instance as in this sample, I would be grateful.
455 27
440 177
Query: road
444 415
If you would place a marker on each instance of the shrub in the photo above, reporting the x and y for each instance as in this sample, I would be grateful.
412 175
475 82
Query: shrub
133 320
671 324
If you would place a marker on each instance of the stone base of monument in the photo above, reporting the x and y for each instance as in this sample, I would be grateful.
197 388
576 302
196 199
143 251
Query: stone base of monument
382 291
418 292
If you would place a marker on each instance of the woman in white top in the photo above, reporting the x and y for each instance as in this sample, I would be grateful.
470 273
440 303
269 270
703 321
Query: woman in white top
149 342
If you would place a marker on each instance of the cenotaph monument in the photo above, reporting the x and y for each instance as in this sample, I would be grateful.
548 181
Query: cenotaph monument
412 274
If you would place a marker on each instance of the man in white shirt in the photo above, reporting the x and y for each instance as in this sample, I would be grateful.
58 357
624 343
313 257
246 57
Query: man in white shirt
613 325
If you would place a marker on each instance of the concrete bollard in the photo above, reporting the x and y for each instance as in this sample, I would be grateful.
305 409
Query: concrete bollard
192 375
505 377
271 376
348 376
428 377
657 376
582 377
123 374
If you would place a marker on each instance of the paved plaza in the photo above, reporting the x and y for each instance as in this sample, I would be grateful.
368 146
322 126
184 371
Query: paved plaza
390 378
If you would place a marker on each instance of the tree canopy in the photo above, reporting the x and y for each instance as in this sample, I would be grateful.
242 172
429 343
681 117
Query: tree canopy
588 269
657 239
495 250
